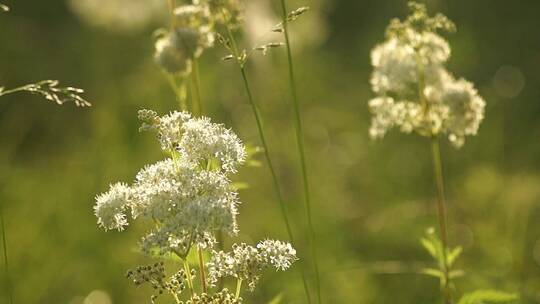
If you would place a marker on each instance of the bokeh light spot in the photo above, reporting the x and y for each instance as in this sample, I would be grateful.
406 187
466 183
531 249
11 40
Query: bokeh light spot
98 297
508 81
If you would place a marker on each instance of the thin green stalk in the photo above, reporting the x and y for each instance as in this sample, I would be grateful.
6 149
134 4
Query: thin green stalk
196 93
172 5
441 208
238 288
176 299
19 89
262 136
188 275
201 269
6 260
179 90
301 149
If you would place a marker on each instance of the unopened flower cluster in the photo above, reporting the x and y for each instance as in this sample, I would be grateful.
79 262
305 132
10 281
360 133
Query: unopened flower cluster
415 92
192 31
155 276
246 262
187 199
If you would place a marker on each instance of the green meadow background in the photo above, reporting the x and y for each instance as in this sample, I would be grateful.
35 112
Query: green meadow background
372 200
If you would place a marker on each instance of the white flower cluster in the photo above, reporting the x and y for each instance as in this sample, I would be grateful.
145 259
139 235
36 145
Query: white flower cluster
193 31
414 90
246 262
197 140
187 201
111 206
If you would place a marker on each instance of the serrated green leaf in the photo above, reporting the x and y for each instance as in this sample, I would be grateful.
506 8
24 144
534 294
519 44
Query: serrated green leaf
487 296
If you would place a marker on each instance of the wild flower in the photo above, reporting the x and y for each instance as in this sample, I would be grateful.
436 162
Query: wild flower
175 49
185 197
246 262
111 206
415 92
189 198
196 139
193 29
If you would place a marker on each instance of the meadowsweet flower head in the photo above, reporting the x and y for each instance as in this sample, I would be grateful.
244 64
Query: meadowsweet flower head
170 56
111 206
192 32
190 205
247 262
189 198
194 19
197 140
279 254
176 49
415 92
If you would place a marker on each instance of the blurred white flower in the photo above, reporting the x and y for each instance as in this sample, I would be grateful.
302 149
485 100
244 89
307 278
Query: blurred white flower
120 15
414 90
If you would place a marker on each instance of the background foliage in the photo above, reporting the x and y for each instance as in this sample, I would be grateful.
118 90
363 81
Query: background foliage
372 200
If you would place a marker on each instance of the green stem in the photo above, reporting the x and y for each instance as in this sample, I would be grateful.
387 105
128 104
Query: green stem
201 268
439 185
179 90
197 103
301 149
441 208
172 5
6 261
238 288
262 136
188 275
